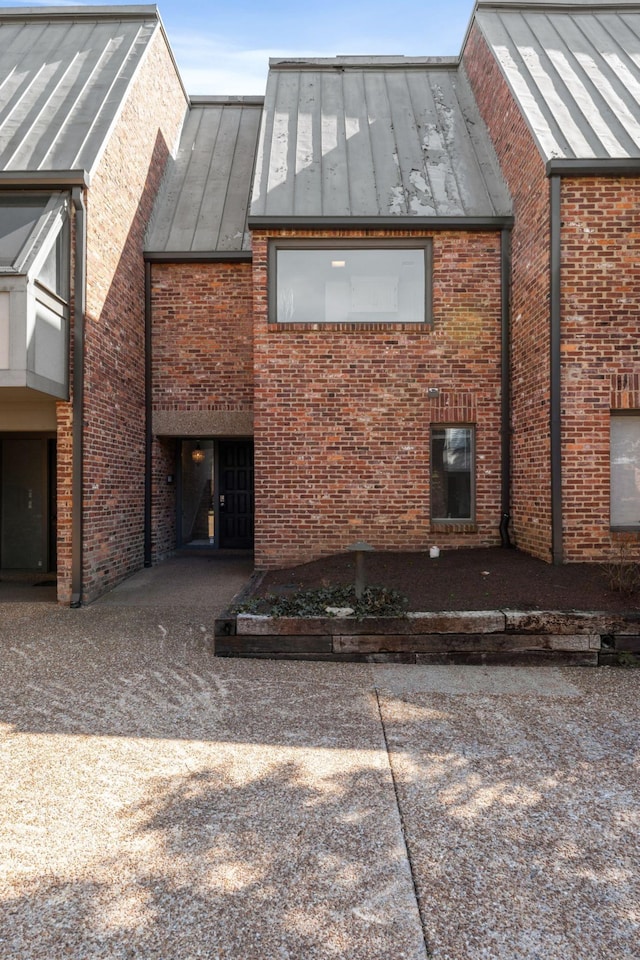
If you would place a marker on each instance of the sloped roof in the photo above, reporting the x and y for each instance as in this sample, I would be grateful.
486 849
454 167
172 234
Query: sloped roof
64 75
203 204
574 68
375 137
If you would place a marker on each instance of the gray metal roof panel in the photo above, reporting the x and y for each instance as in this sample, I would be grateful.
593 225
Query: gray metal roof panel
63 81
387 137
203 203
575 71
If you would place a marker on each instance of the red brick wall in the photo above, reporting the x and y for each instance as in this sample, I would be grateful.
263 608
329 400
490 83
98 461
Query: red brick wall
163 526
524 172
342 416
202 336
202 350
600 359
119 204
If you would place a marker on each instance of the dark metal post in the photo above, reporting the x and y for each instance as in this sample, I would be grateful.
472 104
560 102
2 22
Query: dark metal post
148 397
360 548
505 383
79 306
555 424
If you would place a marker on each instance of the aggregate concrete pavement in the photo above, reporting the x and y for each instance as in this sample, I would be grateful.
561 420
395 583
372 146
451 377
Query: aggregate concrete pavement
156 802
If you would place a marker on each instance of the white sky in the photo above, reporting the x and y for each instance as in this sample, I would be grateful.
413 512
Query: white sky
224 48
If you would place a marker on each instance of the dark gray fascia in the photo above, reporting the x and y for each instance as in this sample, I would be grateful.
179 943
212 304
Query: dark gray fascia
605 167
380 223
198 256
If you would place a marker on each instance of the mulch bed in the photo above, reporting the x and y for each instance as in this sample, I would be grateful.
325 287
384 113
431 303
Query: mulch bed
478 579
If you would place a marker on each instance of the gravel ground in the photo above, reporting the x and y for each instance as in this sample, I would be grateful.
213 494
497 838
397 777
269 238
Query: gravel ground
158 803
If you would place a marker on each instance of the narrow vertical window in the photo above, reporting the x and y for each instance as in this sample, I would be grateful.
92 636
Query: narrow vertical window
625 471
452 473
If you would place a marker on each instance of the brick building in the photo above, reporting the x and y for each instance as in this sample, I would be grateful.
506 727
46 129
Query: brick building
395 300
91 108
557 86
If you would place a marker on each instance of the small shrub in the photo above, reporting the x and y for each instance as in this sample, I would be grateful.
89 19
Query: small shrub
375 602
622 572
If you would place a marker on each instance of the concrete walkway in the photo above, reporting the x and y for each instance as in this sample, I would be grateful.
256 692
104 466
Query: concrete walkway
156 802
188 579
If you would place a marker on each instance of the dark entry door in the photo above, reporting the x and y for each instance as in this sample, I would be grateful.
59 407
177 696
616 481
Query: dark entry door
235 493
24 499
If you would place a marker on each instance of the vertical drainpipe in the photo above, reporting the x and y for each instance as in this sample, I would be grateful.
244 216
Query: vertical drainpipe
79 298
505 384
148 421
555 396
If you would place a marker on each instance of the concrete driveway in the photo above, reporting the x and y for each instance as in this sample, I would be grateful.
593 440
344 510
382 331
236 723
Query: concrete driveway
158 803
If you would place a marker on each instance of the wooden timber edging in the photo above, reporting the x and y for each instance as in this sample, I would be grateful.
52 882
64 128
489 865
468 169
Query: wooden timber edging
486 636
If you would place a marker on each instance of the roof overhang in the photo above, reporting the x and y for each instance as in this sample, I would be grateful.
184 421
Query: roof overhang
360 63
606 167
198 256
43 179
380 223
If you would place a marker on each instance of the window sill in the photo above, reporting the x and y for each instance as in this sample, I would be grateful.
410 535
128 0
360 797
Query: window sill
454 526
381 326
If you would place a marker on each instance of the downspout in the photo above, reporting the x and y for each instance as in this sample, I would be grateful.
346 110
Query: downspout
555 397
148 440
79 300
505 385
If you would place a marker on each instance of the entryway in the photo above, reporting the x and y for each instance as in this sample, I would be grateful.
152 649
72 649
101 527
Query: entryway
215 494
27 503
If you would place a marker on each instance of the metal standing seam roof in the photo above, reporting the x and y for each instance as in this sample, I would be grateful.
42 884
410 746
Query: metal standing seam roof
374 137
574 70
64 75
202 206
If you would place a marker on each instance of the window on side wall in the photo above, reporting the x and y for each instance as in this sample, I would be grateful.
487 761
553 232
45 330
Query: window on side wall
625 471
452 474
353 282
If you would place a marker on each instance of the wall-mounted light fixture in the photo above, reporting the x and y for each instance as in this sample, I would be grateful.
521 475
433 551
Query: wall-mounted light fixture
197 454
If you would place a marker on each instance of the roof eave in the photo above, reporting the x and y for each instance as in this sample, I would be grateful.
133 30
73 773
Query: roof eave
593 167
198 256
107 12
492 222
44 179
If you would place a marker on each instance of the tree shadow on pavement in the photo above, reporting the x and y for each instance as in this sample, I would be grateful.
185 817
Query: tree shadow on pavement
255 859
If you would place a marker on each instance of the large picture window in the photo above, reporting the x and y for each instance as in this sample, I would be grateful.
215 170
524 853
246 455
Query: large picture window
350 283
625 471
452 474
